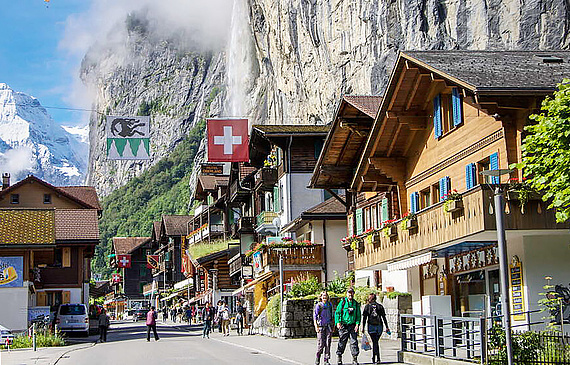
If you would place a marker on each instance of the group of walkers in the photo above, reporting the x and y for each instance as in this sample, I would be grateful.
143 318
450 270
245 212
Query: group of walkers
220 317
179 313
347 317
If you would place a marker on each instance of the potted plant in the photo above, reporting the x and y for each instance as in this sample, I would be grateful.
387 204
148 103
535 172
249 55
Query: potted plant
390 229
453 202
520 190
409 221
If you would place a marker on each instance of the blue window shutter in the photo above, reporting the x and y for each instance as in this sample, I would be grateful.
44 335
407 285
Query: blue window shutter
447 184
474 174
457 107
359 224
412 203
437 116
470 176
441 188
494 165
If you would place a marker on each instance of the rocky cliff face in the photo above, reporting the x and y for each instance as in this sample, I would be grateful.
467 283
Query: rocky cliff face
142 73
309 52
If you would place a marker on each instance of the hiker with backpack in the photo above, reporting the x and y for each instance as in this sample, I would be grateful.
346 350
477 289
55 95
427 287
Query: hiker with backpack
324 322
374 314
347 318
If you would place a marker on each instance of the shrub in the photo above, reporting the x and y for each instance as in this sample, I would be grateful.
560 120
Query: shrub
43 339
340 284
274 310
361 294
396 294
305 287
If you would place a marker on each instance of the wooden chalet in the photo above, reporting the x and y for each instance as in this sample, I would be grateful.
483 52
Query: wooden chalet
48 236
445 117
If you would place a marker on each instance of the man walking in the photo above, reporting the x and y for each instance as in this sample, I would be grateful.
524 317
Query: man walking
347 318
207 316
103 326
240 317
151 324
323 319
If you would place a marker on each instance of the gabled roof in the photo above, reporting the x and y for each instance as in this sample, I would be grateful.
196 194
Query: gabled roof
76 224
156 229
27 226
330 206
368 104
176 225
486 71
213 182
83 195
126 245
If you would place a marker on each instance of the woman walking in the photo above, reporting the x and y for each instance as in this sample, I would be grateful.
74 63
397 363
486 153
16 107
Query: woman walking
323 320
225 318
374 314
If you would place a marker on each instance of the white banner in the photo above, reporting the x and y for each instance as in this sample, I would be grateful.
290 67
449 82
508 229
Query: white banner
128 138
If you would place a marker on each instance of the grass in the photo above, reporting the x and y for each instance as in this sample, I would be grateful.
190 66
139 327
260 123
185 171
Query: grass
205 249
43 339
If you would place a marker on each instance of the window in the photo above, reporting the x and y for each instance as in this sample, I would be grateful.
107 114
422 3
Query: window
15 199
435 193
447 112
374 217
366 218
425 198
57 257
47 198
483 165
318 147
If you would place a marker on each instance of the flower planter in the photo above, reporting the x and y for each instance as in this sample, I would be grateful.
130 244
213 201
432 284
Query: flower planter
515 195
454 205
392 231
411 224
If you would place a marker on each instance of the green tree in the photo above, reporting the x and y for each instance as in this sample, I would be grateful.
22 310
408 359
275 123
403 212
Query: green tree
546 151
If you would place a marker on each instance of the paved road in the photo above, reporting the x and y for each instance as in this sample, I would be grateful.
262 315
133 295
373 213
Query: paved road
126 344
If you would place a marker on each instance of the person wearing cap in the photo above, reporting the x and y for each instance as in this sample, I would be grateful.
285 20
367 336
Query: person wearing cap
347 318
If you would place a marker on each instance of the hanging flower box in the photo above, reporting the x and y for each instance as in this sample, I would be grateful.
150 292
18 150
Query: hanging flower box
409 221
411 224
453 205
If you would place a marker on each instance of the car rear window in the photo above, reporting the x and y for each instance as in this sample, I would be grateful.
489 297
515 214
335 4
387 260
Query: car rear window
72 310
5 332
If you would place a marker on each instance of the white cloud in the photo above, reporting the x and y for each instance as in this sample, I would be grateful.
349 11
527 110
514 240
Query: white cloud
16 161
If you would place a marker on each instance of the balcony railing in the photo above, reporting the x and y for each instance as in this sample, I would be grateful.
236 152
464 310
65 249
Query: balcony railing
239 193
147 288
237 262
436 227
265 178
266 217
245 224
293 256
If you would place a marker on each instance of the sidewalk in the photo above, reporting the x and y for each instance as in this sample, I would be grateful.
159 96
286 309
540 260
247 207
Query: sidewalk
43 356
302 350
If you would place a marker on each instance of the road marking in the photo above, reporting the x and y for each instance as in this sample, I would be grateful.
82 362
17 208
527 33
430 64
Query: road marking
259 351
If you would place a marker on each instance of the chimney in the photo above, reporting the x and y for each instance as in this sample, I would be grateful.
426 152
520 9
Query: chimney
5 180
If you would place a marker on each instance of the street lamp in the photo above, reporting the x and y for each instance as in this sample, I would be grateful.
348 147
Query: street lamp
503 258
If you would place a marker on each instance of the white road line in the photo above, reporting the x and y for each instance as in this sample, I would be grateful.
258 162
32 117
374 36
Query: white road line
259 351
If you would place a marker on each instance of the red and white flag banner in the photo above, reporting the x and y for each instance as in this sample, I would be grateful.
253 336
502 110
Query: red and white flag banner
124 261
228 140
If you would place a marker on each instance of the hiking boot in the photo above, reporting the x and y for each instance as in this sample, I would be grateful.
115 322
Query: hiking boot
354 361
339 361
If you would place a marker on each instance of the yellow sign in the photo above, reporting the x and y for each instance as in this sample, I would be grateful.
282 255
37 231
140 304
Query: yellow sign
8 275
517 291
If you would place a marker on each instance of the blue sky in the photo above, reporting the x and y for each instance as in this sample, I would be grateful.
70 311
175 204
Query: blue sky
31 60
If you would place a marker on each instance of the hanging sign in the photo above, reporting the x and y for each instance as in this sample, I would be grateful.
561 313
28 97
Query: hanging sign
212 169
128 138
257 266
517 290
152 261
11 272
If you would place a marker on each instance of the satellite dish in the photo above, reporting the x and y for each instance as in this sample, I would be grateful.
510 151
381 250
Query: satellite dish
277 222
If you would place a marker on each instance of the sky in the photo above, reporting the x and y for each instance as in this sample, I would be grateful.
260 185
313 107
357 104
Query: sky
31 58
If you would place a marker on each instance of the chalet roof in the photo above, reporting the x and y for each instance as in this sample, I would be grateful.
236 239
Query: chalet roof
87 194
291 129
76 224
27 226
244 171
156 229
329 206
212 182
499 70
84 195
126 245
344 143
176 225
368 104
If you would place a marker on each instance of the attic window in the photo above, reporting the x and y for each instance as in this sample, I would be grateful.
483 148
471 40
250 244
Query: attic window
546 58
47 198
15 199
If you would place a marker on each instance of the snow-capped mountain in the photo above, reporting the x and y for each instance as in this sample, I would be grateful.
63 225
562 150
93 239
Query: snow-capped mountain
32 143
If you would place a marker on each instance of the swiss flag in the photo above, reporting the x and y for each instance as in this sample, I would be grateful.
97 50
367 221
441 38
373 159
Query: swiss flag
124 261
116 278
228 140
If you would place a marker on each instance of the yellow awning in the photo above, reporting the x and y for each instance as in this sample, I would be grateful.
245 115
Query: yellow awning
263 277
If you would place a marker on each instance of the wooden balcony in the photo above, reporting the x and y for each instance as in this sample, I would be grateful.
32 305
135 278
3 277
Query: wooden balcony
265 178
245 224
237 262
294 258
437 228
239 194
265 224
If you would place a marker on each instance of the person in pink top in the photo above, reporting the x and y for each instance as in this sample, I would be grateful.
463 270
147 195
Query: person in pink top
151 324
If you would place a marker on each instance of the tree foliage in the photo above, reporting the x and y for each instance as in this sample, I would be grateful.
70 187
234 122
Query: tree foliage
162 189
546 151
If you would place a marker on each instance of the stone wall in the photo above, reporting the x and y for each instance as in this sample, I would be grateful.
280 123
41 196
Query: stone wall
297 318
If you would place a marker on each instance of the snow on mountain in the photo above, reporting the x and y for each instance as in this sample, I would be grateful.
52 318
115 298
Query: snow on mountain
32 143
81 133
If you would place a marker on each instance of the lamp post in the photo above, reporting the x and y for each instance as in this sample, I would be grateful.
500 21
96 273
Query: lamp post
503 258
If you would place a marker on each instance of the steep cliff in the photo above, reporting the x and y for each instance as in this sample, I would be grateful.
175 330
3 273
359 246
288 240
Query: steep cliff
140 72
308 52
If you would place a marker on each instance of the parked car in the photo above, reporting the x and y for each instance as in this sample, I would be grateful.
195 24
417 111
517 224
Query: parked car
6 336
72 318
139 314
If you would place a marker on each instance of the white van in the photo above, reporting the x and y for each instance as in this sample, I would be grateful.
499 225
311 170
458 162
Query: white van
72 318
6 336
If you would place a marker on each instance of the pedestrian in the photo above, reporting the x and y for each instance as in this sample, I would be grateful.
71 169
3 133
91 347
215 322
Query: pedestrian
103 326
218 318
374 314
324 322
188 315
240 317
173 314
347 318
151 324
164 313
225 318
207 316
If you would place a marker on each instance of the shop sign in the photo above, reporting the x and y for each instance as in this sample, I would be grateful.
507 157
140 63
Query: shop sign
247 272
11 272
257 266
475 259
212 169
517 290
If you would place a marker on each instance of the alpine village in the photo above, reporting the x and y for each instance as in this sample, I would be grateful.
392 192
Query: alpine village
443 191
